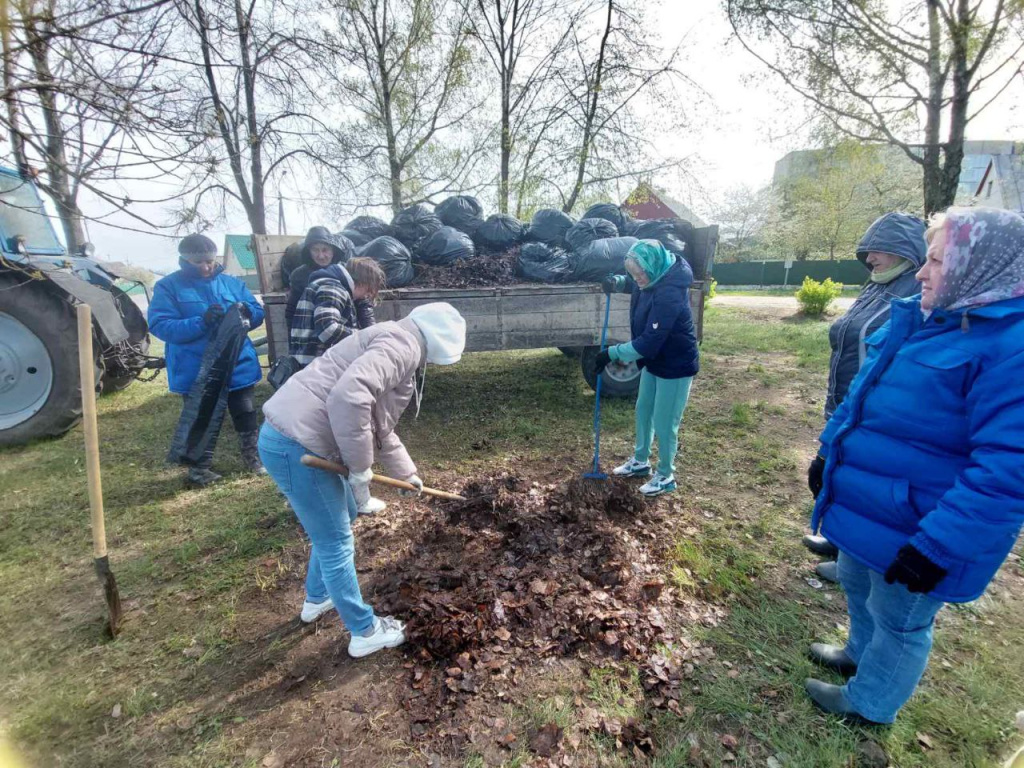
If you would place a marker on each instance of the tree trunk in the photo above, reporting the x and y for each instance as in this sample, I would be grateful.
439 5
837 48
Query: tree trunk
58 176
13 113
588 125
506 145
932 167
257 208
949 178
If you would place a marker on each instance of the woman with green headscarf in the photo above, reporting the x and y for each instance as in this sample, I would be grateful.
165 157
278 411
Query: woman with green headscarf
664 347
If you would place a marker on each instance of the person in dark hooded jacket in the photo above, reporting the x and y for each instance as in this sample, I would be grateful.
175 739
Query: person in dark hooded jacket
320 249
664 347
186 309
328 309
893 248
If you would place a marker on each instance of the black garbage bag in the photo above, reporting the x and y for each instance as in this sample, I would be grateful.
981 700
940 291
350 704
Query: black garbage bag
657 229
609 212
586 231
549 226
541 263
601 258
629 225
500 232
370 226
393 257
415 223
463 212
444 247
207 400
357 238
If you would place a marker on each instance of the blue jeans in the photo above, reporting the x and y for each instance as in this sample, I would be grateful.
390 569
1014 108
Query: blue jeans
325 507
890 639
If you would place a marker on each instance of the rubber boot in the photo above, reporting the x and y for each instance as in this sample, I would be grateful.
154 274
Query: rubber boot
201 475
250 452
830 698
819 545
833 657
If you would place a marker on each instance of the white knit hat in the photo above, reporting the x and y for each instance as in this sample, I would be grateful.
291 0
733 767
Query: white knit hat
444 330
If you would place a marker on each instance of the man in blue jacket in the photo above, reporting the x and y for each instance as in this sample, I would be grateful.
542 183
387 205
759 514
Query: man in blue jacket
186 308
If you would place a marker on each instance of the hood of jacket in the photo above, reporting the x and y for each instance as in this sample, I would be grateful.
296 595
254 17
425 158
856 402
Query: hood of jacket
189 270
340 245
334 272
444 331
897 233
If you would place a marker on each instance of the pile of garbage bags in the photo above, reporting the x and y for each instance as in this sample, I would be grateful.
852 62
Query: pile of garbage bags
552 248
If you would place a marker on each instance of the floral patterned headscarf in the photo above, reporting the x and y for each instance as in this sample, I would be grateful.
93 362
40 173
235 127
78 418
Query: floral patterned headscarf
984 257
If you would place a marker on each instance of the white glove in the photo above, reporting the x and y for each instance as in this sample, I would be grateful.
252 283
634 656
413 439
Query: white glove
414 480
360 484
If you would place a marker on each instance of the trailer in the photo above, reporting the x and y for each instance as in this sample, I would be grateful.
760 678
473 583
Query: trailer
527 316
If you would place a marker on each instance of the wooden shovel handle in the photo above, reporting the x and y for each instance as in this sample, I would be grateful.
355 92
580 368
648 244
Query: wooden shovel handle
87 371
340 469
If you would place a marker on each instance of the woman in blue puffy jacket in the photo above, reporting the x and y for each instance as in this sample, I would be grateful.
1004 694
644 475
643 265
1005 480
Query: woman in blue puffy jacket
923 478
186 308
664 346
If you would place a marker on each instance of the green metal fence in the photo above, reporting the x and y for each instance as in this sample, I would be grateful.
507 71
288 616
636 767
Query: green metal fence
775 273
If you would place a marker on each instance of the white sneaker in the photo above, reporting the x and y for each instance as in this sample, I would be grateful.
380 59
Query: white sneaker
633 468
388 632
372 506
658 485
313 611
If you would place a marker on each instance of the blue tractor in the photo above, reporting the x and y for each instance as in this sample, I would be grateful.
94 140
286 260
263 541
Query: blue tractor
40 285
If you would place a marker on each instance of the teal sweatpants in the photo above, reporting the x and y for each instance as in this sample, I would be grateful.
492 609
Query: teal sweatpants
659 410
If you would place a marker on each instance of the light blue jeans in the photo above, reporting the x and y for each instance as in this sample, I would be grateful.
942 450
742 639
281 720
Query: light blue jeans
324 504
890 639
659 409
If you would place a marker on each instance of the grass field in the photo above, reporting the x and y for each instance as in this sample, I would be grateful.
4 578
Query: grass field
209 670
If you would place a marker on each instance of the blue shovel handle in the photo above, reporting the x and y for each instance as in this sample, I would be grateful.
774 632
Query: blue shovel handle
597 399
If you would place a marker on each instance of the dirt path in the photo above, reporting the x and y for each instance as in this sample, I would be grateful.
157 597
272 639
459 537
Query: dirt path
772 302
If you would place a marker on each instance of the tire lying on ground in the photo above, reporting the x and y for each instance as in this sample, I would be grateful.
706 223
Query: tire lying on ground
40 392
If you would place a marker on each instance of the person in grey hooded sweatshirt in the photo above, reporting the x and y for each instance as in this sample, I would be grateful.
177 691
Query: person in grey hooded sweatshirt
344 407
893 249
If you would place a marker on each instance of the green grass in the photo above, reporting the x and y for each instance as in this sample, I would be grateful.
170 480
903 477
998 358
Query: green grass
201 569
848 290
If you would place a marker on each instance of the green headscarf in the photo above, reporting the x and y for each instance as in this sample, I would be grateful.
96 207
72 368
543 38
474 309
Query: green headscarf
653 258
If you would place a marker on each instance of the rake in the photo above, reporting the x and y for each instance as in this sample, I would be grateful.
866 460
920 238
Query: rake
596 473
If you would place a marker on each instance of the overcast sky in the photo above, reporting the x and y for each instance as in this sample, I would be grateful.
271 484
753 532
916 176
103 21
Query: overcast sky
747 122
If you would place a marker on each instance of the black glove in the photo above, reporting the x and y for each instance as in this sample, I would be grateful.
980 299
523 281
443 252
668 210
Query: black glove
610 284
814 476
213 315
601 361
915 570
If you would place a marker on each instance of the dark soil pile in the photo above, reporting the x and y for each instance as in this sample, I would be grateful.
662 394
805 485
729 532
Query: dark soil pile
484 270
520 571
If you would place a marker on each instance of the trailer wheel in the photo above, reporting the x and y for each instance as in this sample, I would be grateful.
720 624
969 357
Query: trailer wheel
40 395
619 379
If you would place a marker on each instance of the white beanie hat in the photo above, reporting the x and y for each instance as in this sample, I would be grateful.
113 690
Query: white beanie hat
444 330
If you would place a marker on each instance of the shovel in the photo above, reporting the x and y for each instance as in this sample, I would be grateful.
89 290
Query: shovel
340 469
596 473
87 369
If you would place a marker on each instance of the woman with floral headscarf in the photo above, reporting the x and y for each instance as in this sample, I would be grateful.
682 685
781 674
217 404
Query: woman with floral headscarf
664 346
923 486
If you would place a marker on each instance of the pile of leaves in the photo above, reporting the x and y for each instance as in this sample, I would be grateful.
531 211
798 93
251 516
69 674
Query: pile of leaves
483 270
520 571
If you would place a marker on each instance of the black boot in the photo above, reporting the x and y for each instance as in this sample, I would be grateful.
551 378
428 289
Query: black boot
829 571
201 475
819 545
250 452
830 698
833 657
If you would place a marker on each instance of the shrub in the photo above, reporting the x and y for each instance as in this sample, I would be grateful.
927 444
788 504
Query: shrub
713 290
815 297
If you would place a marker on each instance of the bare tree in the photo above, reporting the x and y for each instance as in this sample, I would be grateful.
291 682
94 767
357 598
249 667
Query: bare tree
525 41
405 80
85 99
252 95
894 72
744 215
